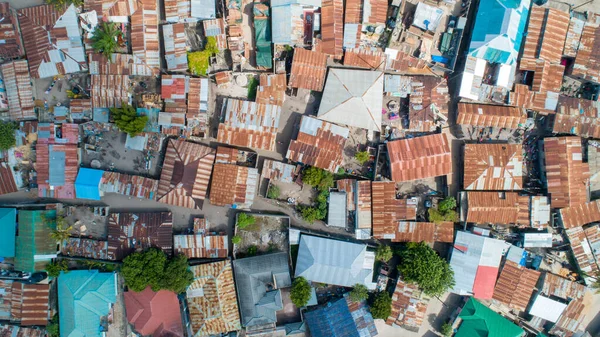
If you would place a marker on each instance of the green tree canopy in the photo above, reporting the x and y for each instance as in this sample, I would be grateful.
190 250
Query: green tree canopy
153 268
274 192
448 204
54 268
359 293
7 135
312 214
422 265
104 38
127 119
236 239
362 157
382 305
446 329
446 211
244 220
318 178
300 293
384 253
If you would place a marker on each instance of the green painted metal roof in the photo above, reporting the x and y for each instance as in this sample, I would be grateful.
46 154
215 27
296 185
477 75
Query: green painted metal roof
34 246
480 321
84 298
8 229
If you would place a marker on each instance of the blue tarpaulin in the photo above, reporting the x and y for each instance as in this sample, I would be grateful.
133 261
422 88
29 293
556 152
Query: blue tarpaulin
87 184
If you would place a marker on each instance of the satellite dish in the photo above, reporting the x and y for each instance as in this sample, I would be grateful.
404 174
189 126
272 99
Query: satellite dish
96 164
379 29
241 80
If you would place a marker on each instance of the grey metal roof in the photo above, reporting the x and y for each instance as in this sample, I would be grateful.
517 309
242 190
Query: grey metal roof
257 281
537 240
350 32
276 3
203 9
466 254
336 216
334 262
281 25
56 169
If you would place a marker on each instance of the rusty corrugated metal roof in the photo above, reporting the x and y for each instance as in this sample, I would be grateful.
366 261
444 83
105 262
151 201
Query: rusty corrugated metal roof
322 147
332 28
409 306
485 115
547 76
186 173
279 171
583 126
348 186
363 205
542 101
144 34
10 33
420 157
212 299
587 61
364 58
388 210
579 305
503 208
402 62
130 232
546 34
567 176
118 64
493 167
308 69
579 215
377 11
68 169
109 91
233 185
19 91
249 124
515 286
410 231
88 248
272 89
29 304
573 36
175 46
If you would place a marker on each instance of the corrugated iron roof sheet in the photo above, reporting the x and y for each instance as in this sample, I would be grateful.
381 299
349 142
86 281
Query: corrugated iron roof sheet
110 91
349 187
308 69
428 103
272 89
409 306
88 248
363 206
25 304
582 250
201 246
52 40
547 76
571 319
515 286
56 167
573 36
493 167
544 101
318 144
504 208
364 58
233 185
144 34
587 62
174 42
128 232
583 126
10 33
410 231
548 45
186 173
278 171
125 184
212 299
375 11
581 214
7 179
420 157
332 27
401 61
249 124
17 331
567 175
177 10
484 115
388 210
118 64
19 91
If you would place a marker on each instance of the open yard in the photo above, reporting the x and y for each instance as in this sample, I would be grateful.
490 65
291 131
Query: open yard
268 233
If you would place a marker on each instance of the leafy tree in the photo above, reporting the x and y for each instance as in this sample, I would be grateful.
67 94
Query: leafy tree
359 293
362 157
422 265
152 268
312 214
244 220
53 328
62 231
198 61
326 181
300 293
127 119
274 192
312 176
382 305
54 268
104 38
446 329
448 204
384 253
7 135
252 86
236 239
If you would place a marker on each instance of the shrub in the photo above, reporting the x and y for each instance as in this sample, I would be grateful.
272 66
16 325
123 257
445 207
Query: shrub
198 61
318 178
244 220
7 135
274 192
446 211
53 328
252 86
359 293
152 268
252 250
236 239
300 293
362 157
446 329
54 268
311 214
127 119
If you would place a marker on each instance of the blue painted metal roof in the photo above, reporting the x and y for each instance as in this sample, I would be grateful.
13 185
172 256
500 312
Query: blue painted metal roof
57 164
84 296
87 184
333 320
101 115
8 225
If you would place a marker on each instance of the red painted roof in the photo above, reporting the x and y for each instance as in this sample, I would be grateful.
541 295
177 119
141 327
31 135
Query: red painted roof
485 280
155 314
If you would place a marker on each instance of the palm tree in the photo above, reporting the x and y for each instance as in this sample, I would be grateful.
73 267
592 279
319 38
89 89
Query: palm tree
596 284
105 37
